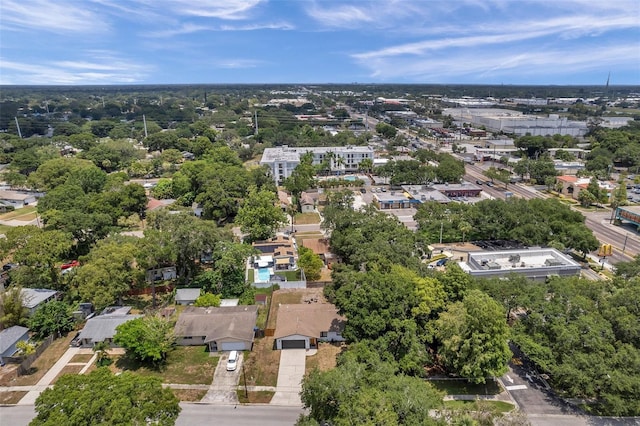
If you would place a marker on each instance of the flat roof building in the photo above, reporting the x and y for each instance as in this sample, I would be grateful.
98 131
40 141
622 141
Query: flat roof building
536 264
283 160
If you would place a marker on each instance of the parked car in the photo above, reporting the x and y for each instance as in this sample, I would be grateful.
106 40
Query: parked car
478 182
232 362
442 262
489 184
363 191
69 265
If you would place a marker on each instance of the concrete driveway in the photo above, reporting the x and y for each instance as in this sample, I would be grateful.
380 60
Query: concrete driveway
225 383
290 374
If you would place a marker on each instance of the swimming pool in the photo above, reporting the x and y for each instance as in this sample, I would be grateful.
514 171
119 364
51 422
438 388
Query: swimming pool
350 178
264 274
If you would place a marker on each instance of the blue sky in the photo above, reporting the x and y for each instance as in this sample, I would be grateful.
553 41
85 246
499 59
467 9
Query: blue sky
314 41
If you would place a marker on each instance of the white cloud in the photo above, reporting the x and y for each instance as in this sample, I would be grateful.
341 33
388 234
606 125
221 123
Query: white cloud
45 15
101 68
227 9
237 63
489 65
341 16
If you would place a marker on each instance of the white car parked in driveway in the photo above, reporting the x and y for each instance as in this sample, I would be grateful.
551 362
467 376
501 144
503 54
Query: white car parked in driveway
232 362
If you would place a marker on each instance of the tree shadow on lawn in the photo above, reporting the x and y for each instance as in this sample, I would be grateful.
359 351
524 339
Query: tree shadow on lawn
129 363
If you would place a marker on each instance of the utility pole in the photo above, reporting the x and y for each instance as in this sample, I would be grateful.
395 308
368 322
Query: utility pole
144 120
18 126
441 228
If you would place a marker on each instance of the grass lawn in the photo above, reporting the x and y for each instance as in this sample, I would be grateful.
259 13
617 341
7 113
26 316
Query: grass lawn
325 358
462 387
261 321
290 275
81 358
260 397
16 214
44 362
188 365
4 228
11 397
68 369
499 406
306 219
251 276
262 363
299 236
189 395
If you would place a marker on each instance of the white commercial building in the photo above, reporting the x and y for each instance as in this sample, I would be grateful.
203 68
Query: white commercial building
283 160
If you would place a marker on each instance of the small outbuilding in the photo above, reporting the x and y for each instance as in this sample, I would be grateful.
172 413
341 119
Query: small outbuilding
32 298
187 296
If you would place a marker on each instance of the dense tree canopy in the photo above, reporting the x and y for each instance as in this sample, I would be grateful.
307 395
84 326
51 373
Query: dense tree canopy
147 339
103 398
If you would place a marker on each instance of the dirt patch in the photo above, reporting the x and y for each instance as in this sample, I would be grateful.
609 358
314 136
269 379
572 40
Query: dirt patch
44 362
262 363
68 369
11 397
260 397
81 358
189 395
326 357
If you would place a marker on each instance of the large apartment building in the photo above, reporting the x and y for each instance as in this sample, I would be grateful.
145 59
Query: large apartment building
282 160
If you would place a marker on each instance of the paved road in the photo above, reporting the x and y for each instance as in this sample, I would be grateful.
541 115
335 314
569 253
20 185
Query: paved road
620 237
191 415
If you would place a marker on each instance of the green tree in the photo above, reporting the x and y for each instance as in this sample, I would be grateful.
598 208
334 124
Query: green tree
302 177
310 263
207 299
12 310
102 356
103 398
386 130
147 339
25 348
259 216
473 335
52 318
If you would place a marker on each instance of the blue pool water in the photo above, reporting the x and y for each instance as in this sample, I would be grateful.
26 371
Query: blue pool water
263 274
350 178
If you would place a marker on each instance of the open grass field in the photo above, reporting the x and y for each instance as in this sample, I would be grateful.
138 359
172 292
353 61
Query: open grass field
260 397
11 397
325 359
189 395
81 358
18 214
188 365
68 369
262 363
306 219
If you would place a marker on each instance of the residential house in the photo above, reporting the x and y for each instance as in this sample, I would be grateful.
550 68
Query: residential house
229 328
283 259
16 199
32 298
9 338
162 274
102 328
187 296
270 246
307 203
302 326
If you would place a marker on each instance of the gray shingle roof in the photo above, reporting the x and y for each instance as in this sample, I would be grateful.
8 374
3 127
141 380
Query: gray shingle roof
10 335
235 322
32 297
102 327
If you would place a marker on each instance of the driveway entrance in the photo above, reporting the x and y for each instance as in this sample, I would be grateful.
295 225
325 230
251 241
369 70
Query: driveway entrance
290 374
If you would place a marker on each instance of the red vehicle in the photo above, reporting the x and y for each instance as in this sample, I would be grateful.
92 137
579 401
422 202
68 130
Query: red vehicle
69 265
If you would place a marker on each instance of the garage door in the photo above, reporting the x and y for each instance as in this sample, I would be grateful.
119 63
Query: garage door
232 346
293 344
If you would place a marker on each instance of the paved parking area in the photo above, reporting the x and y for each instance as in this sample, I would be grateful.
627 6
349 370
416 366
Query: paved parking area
290 374
225 383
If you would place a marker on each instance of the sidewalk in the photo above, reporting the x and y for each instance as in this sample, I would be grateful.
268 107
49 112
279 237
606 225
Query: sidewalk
30 397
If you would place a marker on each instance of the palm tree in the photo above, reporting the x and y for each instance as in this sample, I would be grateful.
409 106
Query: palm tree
464 227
